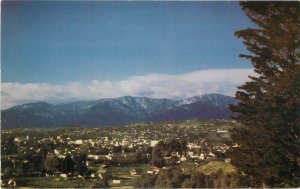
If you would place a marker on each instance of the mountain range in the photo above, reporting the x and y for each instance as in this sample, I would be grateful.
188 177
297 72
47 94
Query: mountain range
116 111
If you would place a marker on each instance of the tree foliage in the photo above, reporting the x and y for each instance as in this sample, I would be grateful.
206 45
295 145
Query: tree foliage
170 178
51 163
269 104
80 163
67 164
145 181
163 149
101 183
173 177
8 145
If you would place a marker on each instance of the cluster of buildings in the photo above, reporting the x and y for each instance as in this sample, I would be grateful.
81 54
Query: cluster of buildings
106 145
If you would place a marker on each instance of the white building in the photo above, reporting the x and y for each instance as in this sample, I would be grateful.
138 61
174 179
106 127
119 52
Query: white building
17 140
78 142
221 131
202 157
125 142
154 143
95 157
116 181
56 152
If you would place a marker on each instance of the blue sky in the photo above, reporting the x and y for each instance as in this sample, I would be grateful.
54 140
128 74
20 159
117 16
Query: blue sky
64 43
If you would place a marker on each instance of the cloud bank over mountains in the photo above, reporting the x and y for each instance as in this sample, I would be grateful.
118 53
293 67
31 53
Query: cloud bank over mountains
177 86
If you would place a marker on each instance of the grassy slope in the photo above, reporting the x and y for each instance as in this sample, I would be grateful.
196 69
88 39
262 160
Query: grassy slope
215 166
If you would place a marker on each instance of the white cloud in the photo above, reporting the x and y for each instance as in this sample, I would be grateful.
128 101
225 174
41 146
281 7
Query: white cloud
223 81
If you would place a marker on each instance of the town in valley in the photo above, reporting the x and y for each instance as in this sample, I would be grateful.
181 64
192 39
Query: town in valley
137 155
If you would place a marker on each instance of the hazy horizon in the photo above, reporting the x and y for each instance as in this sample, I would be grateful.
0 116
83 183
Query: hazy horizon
87 100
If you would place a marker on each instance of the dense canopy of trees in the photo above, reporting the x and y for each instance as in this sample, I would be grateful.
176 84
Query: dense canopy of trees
269 107
163 149
174 177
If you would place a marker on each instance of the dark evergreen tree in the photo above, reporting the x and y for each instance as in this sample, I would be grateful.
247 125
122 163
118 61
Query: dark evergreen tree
68 165
38 164
269 107
8 145
80 163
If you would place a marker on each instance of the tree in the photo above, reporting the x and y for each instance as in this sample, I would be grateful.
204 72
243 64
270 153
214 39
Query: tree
141 157
163 149
80 162
170 178
38 164
101 183
197 180
269 104
157 155
67 165
8 145
145 181
51 163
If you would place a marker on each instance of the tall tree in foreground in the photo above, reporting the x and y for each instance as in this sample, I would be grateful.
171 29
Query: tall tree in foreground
269 108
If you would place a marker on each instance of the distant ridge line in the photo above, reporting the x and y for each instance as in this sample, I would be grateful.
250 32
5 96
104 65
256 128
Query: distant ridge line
116 111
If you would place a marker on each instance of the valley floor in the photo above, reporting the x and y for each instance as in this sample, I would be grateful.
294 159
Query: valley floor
139 155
